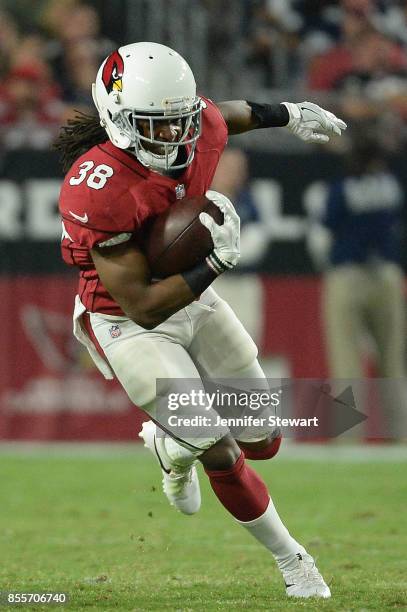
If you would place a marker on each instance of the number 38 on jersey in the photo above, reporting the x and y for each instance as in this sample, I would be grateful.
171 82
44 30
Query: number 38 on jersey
95 179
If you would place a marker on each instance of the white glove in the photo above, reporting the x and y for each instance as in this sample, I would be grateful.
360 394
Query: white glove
225 237
307 120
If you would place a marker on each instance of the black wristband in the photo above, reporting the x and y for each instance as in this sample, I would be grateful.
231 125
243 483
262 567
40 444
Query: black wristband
269 115
201 276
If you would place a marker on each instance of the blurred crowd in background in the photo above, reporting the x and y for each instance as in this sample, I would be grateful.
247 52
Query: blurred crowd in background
49 54
349 54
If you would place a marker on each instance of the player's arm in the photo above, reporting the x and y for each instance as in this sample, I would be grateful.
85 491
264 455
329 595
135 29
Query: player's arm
306 120
125 273
240 117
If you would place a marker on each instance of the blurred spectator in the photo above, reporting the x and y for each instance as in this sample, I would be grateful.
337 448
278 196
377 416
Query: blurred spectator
30 52
328 70
273 42
76 51
366 67
286 36
9 39
363 296
327 22
223 38
379 74
232 179
391 19
82 63
30 108
321 26
30 104
369 71
54 15
27 13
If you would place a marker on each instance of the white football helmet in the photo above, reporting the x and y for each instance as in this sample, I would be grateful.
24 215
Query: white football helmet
151 82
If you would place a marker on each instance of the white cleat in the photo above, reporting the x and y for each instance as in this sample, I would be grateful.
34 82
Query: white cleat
302 578
180 482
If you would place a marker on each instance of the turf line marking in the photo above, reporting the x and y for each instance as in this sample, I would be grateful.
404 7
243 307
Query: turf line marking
290 451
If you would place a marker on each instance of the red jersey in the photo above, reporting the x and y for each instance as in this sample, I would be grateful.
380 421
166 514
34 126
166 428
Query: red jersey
108 195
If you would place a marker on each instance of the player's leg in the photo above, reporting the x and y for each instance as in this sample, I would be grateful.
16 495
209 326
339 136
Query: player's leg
387 324
345 296
244 494
343 303
387 320
223 349
138 358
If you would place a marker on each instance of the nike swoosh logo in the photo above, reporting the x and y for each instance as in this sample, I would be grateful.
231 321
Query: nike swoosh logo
159 459
310 110
83 219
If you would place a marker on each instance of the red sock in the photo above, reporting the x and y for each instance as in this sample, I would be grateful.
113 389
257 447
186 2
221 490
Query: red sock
265 453
240 490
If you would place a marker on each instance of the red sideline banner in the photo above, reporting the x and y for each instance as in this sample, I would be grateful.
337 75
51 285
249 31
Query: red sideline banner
293 325
49 388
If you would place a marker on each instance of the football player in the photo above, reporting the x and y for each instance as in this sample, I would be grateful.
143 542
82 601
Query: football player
152 141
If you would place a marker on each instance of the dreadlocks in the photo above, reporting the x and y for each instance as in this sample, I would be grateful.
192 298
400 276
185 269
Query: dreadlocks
80 134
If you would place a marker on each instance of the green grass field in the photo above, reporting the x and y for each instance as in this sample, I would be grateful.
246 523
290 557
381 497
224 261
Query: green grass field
98 527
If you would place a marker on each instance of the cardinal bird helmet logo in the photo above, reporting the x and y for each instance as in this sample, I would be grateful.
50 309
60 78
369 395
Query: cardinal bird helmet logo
113 72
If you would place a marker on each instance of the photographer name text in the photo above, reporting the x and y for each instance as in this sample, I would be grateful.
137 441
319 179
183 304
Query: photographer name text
245 421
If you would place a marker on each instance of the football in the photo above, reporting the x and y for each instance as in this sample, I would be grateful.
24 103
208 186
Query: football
176 241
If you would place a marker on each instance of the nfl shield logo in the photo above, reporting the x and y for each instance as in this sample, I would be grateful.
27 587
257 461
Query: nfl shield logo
115 331
180 191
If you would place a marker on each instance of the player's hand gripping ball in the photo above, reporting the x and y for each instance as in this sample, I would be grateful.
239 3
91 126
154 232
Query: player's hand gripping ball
177 240
225 237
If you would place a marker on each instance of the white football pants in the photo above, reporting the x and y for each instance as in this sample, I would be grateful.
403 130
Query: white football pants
204 339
